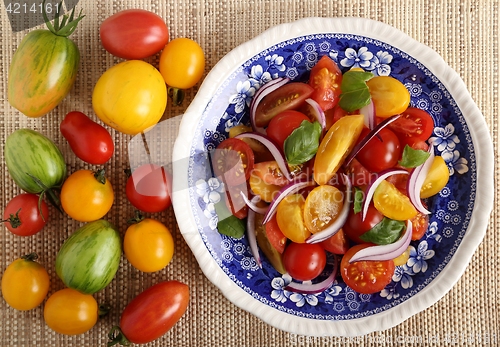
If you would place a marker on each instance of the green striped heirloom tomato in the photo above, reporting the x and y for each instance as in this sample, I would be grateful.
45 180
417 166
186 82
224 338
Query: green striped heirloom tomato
34 161
89 258
151 313
43 68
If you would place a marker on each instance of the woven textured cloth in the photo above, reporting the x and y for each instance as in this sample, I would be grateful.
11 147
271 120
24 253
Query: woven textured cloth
465 33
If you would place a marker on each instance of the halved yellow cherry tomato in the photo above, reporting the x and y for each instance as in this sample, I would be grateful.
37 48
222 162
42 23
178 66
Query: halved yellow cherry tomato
436 178
335 146
87 196
290 218
148 245
389 95
323 205
393 204
403 258
25 283
259 187
70 312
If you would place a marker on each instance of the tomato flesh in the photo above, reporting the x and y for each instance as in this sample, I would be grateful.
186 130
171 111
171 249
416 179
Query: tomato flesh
366 277
322 207
326 78
290 218
413 125
336 244
436 178
233 161
287 97
392 203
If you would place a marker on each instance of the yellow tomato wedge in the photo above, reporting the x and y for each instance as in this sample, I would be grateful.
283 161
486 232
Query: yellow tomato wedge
436 178
290 218
389 96
393 204
335 146
323 205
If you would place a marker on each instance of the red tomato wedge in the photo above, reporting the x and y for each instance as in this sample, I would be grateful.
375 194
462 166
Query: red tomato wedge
325 79
232 161
413 126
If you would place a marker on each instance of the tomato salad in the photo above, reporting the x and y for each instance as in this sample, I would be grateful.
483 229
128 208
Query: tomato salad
339 164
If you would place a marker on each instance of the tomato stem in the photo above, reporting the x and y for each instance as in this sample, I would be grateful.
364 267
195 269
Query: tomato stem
138 217
30 257
13 219
103 310
100 176
51 195
117 338
67 25
177 95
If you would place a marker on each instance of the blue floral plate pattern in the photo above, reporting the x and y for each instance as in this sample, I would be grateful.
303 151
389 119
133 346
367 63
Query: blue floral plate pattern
459 211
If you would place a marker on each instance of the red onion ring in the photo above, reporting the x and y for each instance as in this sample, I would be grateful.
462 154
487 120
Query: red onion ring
368 112
252 238
252 204
318 113
261 94
416 180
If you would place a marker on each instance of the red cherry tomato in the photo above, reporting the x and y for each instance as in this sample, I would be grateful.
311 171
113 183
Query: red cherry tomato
413 125
22 216
304 261
354 226
381 152
366 277
152 313
90 141
288 97
325 79
233 161
282 125
133 34
336 244
149 188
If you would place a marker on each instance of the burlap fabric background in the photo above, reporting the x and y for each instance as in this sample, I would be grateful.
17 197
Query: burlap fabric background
464 33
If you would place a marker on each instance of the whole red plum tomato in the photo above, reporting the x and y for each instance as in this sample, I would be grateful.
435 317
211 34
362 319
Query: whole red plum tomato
90 141
148 188
22 215
134 34
151 313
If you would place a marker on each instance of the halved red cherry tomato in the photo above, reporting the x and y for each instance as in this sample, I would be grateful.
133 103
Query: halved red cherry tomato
382 152
366 277
283 124
413 125
235 202
275 235
304 261
233 161
270 173
287 97
336 244
325 79
354 227
420 224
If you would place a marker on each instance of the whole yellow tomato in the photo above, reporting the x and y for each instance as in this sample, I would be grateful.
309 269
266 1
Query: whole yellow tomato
182 63
87 196
25 283
130 96
148 245
70 312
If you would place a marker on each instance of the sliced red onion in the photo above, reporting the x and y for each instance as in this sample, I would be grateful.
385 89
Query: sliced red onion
368 112
277 153
318 113
373 186
368 137
290 188
340 221
385 252
309 288
260 94
252 238
252 204
416 180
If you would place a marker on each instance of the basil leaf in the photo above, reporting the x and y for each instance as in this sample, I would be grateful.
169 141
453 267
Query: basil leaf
355 93
228 224
413 157
385 232
359 196
302 144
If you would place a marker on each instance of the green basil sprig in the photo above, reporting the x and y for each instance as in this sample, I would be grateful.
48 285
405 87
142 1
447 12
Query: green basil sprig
385 232
413 157
355 93
302 144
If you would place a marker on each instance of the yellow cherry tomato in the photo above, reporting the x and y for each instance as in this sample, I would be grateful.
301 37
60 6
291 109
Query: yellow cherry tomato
130 96
25 283
70 312
389 96
182 63
290 218
87 196
148 245
436 178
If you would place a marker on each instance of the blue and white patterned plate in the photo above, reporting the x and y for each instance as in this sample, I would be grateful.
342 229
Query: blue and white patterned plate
459 213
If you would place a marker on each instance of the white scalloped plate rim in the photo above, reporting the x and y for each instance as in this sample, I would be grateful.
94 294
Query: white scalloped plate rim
482 206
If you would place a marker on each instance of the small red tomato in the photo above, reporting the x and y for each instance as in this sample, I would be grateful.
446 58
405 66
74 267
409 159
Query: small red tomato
152 313
90 141
134 34
304 261
22 216
148 188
